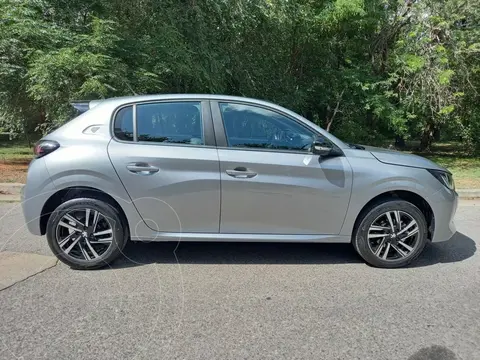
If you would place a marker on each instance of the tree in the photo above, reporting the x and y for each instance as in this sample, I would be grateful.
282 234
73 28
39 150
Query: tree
367 70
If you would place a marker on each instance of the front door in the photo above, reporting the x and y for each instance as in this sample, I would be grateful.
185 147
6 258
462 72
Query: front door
271 182
167 165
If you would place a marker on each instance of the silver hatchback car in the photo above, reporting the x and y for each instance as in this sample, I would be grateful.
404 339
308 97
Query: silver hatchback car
222 168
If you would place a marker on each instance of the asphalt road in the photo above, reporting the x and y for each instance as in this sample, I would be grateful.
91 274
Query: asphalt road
246 301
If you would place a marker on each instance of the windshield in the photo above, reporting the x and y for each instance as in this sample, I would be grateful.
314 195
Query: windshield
328 135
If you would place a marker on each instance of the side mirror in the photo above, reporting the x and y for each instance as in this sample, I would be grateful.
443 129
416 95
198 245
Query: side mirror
319 148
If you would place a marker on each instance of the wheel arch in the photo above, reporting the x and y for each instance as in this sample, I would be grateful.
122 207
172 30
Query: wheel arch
76 192
406 195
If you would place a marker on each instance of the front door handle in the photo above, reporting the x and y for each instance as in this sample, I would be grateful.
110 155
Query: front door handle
142 168
241 173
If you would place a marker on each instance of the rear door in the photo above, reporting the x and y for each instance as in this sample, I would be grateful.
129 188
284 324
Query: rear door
164 153
271 182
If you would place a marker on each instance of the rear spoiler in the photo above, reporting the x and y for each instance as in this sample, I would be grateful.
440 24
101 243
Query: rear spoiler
84 105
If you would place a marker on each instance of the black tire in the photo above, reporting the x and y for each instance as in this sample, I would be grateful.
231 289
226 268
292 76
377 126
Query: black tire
360 236
119 232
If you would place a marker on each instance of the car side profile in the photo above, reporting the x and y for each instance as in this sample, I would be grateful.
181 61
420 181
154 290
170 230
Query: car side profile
223 168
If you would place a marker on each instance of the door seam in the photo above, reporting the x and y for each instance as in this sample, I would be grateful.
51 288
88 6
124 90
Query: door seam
221 193
350 197
121 182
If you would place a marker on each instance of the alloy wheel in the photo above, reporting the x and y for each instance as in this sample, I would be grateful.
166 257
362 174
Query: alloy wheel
393 235
84 234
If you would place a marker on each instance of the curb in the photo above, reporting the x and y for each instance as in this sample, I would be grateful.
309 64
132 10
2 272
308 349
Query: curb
469 193
16 267
11 192
9 198
10 188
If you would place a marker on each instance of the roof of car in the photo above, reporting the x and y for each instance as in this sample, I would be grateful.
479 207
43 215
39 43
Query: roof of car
141 98
102 110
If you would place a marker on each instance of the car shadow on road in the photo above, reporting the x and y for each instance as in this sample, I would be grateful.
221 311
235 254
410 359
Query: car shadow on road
459 248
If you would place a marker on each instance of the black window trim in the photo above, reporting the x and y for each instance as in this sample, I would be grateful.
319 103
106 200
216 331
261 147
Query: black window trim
208 135
134 119
114 118
221 136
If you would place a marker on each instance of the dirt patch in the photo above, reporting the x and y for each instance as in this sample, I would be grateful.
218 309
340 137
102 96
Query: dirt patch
467 183
14 171
24 162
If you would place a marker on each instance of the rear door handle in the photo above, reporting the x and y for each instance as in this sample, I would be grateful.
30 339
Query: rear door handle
142 168
241 173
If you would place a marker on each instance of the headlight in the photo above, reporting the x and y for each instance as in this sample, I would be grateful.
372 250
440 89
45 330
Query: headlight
444 177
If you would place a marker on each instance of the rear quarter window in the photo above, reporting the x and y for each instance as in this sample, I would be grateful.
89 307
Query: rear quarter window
123 125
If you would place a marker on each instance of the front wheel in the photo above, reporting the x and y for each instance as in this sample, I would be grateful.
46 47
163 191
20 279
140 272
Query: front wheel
86 233
391 234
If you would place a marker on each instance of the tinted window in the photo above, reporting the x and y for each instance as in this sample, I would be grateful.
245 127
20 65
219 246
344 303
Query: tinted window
176 122
123 128
255 127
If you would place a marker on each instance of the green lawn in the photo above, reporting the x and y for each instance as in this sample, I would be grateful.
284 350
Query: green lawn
14 159
15 152
14 149
15 155
465 170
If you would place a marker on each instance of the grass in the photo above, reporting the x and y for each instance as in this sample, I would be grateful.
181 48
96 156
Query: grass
15 156
451 155
466 171
14 159
15 153
14 149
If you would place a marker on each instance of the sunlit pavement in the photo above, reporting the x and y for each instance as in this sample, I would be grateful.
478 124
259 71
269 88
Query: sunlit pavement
245 301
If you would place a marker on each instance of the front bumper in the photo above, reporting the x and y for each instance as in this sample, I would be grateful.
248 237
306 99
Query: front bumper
444 209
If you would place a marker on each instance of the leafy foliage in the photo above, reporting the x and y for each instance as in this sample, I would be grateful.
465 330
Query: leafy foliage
367 70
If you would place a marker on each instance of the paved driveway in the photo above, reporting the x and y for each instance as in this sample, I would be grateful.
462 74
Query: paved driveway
246 301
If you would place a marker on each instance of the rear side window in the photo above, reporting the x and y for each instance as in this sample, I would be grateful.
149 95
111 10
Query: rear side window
123 127
175 122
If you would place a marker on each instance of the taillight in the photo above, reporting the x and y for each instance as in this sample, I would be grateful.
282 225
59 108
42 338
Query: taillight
44 147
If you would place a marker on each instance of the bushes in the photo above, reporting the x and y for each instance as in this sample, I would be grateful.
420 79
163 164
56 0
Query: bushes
368 70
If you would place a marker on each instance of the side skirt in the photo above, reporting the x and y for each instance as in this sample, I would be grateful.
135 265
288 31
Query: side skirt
212 237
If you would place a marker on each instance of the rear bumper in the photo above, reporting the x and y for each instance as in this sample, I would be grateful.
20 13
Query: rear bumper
35 194
444 210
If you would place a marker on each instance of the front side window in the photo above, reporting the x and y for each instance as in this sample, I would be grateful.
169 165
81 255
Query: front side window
175 122
248 126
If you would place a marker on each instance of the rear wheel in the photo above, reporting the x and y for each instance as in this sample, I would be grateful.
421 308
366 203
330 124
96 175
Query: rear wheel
391 234
86 233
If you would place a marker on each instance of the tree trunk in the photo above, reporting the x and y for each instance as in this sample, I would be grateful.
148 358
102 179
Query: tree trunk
329 124
399 142
27 137
427 138
335 111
